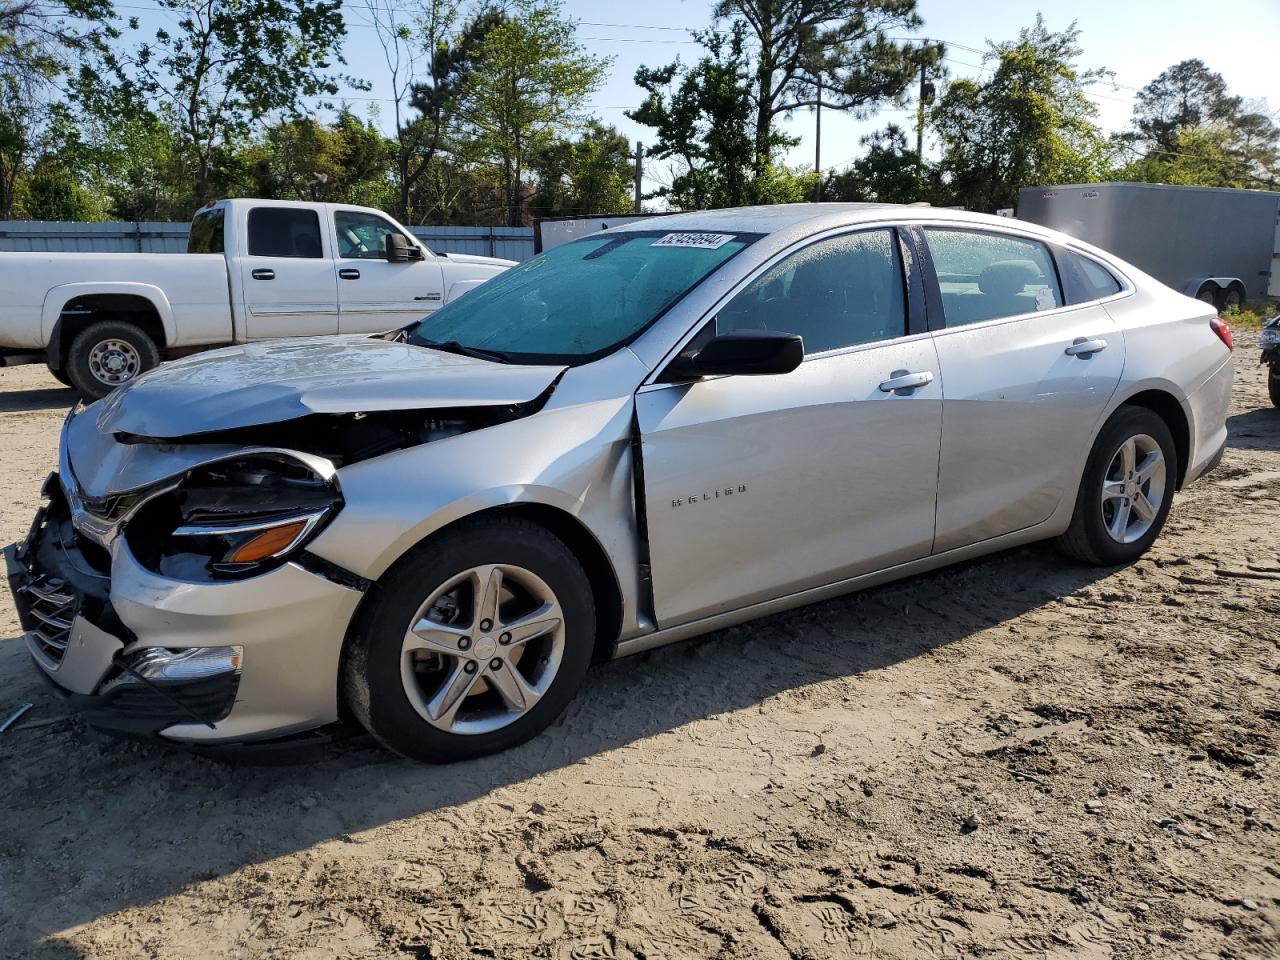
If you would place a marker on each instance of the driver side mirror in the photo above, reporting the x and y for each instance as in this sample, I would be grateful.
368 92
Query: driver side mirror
740 353
400 250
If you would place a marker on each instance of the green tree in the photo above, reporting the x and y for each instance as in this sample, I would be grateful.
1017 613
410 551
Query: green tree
703 121
889 172
1186 95
591 174
846 44
40 41
52 192
225 65
347 161
1030 123
1189 128
529 85
429 52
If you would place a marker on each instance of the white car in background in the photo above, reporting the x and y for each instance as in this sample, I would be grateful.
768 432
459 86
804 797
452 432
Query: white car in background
255 270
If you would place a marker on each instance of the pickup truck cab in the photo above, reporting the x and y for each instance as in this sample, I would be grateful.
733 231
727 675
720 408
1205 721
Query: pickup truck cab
254 270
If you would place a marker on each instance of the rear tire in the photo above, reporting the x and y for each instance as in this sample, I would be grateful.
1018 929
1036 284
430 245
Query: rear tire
1118 513
1232 299
108 354
398 686
60 376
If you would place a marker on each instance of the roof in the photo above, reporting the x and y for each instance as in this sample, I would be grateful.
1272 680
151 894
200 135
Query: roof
762 219
812 217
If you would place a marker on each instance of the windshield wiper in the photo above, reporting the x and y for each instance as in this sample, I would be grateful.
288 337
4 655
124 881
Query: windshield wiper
453 346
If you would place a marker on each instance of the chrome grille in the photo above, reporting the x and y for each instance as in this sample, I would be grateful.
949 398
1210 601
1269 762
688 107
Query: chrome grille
54 606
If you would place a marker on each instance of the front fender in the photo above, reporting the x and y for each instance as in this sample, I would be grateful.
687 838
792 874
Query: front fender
575 459
58 297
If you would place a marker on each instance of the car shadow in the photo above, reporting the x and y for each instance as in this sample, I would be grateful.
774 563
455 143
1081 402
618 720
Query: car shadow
44 398
198 818
1256 430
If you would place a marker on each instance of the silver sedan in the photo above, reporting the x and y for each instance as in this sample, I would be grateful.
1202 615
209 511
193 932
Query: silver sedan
646 434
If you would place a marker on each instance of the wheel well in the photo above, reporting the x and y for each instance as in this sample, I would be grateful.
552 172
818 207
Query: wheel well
583 544
595 563
80 312
1166 407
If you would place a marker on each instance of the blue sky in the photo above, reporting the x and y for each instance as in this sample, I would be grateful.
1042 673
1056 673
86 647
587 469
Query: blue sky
1135 38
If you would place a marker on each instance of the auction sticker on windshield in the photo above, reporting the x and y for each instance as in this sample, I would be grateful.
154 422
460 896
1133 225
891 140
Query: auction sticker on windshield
703 241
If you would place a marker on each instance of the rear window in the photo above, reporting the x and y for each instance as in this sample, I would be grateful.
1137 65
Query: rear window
989 276
284 232
207 232
1084 280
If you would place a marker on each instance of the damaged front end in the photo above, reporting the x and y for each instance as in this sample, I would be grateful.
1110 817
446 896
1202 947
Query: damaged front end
61 585
166 585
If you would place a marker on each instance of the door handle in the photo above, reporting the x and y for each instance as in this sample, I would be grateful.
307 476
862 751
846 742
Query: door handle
903 380
1084 347
263 274
349 273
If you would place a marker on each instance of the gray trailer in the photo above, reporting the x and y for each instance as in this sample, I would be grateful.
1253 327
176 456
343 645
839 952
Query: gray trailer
1219 245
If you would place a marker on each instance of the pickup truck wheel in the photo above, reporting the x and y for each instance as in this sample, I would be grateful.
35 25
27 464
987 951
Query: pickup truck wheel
474 643
109 353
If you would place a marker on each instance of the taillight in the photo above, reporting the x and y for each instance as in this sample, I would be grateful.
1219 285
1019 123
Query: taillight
1223 330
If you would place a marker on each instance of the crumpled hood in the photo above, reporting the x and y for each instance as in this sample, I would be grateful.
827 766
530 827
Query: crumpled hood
280 380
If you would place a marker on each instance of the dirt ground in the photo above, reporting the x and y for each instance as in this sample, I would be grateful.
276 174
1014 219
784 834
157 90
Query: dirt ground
1018 757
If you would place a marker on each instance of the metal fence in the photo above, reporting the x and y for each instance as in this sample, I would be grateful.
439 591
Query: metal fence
513 243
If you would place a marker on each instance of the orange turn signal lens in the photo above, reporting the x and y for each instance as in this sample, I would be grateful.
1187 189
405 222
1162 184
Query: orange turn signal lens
268 543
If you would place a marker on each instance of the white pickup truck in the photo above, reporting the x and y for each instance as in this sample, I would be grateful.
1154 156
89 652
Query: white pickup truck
254 269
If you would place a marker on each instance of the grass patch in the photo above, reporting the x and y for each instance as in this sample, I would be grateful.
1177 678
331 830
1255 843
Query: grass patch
1251 316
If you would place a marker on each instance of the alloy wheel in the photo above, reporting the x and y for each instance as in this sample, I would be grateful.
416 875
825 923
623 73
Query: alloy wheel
483 649
114 362
1133 489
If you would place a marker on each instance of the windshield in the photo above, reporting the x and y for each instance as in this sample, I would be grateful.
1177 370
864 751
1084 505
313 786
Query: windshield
581 300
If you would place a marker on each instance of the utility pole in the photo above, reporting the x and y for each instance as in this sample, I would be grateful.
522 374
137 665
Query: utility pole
926 97
639 174
817 144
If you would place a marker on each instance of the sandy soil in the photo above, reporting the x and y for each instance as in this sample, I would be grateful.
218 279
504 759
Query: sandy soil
1018 757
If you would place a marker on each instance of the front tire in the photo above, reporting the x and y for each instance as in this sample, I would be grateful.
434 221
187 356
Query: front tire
1126 490
474 643
60 376
108 354
1273 383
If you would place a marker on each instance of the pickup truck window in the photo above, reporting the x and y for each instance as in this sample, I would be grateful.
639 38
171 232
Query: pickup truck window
362 236
207 232
284 232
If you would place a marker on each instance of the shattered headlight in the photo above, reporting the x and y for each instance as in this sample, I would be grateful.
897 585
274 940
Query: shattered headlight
234 518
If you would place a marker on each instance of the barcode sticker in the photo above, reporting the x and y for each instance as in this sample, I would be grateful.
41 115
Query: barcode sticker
702 241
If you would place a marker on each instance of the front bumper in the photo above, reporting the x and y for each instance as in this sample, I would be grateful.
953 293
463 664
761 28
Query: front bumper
90 614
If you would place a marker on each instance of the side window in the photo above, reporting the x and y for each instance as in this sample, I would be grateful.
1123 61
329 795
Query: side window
835 293
985 276
284 232
206 234
1084 280
362 236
